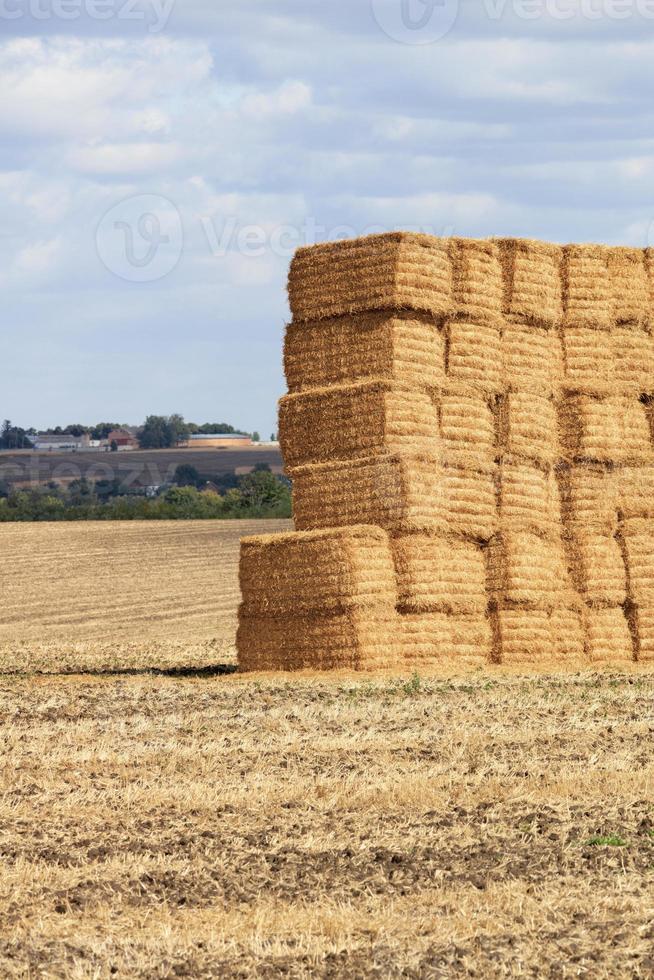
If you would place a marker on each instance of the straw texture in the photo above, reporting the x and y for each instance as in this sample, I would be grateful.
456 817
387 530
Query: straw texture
315 571
434 637
359 639
343 350
400 271
348 421
398 493
439 574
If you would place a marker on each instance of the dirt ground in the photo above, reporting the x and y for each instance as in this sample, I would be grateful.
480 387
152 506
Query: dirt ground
208 826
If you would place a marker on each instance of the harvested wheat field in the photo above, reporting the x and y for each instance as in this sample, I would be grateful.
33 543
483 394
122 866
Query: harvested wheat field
120 594
298 827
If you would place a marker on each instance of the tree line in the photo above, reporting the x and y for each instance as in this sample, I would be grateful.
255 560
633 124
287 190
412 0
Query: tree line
257 494
157 432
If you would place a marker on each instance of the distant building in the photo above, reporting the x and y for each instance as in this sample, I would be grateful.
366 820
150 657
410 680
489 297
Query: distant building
218 440
61 443
123 438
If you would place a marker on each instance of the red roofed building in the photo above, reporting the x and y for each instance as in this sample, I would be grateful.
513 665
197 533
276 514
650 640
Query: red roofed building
123 439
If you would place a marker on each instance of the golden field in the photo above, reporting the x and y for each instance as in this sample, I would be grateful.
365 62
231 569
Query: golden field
120 594
216 825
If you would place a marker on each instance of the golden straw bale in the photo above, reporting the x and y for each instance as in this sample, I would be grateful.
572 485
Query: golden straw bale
649 270
358 639
433 637
635 485
633 359
532 357
349 421
532 280
527 636
597 567
528 427
589 361
523 567
568 634
316 571
394 271
343 350
474 355
641 619
469 501
529 498
590 497
587 288
467 426
611 429
477 279
399 493
608 638
638 538
630 285
439 574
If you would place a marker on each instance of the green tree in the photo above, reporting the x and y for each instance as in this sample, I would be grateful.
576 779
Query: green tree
155 434
178 430
256 437
186 475
262 489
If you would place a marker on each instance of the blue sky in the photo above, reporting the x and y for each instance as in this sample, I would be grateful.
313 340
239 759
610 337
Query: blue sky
159 165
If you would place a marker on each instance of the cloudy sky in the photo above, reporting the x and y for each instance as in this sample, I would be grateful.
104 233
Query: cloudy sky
161 159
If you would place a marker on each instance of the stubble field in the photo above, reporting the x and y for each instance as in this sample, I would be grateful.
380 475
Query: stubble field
216 825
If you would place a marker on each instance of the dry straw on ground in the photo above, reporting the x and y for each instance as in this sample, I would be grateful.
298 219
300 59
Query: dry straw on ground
484 404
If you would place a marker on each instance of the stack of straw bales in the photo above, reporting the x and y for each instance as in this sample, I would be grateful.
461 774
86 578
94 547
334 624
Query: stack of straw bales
469 434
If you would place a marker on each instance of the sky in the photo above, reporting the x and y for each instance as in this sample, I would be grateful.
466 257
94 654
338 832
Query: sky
160 160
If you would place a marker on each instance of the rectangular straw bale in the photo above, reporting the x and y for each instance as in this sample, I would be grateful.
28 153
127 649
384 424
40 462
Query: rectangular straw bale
529 498
469 501
597 567
633 359
528 427
649 269
467 427
382 345
436 637
587 288
357 639
316 571
635 486
532 281
607 636
525 568
439 574
590 497
527 636
638 538
532 357
398 493
474 355
477 279
606 430
641 620
350 421
629 283
398 271
589 361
